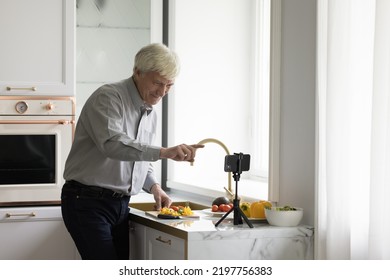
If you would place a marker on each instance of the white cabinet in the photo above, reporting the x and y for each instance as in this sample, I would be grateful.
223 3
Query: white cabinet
137 238
147 243
37 47
162 246
151 240
35 233
150 244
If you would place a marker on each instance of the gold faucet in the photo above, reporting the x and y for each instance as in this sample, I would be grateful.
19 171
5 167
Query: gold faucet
212 140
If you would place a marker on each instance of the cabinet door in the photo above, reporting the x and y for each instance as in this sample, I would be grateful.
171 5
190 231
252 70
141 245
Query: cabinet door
37 47
137 235
34 233
163 246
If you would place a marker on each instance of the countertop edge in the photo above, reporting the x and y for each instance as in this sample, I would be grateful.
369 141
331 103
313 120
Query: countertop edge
30 203
151 222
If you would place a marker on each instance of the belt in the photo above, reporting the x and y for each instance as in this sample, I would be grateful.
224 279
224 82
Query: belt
90 191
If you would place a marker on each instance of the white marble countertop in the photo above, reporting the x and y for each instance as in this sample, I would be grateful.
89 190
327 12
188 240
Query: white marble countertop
204 227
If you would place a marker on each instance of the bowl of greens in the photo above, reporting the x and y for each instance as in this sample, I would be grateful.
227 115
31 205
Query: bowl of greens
285 216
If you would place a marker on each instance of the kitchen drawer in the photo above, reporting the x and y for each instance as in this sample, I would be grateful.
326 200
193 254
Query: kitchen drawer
15 214
35 233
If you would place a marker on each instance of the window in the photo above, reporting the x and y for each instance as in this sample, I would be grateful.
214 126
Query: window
222 92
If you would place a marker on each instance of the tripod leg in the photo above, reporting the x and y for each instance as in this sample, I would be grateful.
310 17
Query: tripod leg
245 217
224 216
237 217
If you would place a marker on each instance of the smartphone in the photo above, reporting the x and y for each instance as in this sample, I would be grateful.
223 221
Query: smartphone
234 162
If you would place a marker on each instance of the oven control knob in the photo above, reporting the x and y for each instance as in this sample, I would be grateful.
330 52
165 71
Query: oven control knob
50 106
21 107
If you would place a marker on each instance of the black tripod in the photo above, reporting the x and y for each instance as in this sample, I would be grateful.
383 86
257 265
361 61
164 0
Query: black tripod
237 214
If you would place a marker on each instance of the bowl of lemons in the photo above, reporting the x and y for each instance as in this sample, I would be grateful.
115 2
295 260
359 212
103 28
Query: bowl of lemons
285 216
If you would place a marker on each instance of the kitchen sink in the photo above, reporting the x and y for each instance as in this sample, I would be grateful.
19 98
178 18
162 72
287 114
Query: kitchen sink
149 206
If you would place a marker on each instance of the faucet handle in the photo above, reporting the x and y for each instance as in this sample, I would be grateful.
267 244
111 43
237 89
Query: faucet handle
229 193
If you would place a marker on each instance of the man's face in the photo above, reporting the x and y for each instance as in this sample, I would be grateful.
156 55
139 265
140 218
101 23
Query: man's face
152 86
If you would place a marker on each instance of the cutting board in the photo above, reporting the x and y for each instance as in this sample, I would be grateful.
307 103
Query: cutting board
155 215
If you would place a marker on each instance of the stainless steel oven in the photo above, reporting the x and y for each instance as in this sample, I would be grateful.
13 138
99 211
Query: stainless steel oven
36 134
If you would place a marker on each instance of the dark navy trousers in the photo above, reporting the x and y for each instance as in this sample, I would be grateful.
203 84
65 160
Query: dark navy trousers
97 222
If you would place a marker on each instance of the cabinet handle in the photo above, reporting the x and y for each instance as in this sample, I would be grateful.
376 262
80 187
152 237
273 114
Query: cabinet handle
60 122
22 88
164 241
65 122
9 215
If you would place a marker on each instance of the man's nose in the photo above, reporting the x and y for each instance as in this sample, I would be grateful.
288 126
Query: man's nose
162 90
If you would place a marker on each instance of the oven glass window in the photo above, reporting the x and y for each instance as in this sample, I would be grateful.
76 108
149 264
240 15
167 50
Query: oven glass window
27 159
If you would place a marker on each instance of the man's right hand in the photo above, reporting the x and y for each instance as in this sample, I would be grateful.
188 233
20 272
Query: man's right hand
181 152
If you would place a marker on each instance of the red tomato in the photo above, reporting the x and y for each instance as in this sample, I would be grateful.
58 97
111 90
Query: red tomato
214 208
175 208
221 206
226 208
231 205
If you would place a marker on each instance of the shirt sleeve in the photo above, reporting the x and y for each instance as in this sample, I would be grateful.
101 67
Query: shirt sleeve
150 179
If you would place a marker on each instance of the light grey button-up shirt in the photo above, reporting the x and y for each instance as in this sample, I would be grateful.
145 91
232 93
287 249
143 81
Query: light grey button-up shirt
112 145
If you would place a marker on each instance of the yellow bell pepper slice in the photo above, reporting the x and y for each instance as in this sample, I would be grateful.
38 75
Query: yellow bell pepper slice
257 208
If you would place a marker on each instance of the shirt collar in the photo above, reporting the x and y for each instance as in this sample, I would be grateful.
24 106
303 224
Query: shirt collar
147 108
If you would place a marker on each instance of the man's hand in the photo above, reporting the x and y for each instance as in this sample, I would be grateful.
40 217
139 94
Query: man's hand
181 152
161 198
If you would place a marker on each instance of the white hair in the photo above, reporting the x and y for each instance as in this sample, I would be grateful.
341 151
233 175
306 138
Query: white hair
159 58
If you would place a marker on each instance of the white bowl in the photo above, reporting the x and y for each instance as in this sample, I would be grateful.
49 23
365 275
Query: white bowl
280 218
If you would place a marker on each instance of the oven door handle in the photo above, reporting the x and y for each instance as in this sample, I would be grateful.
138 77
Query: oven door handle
62 122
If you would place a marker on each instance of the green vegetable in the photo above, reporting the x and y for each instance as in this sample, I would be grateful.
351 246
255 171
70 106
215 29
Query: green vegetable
286 208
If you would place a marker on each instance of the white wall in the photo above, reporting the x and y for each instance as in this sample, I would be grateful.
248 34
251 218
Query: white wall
297 128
